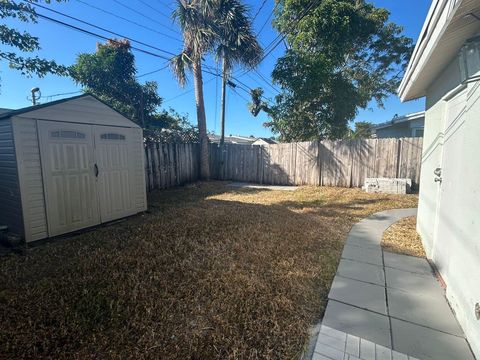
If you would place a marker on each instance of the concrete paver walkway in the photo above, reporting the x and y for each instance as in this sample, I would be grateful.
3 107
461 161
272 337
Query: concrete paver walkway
386 306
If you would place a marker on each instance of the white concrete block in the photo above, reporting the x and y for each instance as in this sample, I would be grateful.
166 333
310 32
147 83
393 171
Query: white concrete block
387 185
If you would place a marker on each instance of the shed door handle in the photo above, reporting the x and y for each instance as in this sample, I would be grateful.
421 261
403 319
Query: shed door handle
96 170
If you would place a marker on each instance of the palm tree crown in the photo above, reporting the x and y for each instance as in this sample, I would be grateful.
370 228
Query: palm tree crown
235 43
220 26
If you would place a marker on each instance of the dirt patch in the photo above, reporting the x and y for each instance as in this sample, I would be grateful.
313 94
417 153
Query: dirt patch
211 272
402 238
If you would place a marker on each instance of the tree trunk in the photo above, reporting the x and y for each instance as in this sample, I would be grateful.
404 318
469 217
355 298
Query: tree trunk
224 90
202 121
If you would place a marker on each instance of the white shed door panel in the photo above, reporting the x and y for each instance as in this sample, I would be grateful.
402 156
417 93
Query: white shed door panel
115 161
67 153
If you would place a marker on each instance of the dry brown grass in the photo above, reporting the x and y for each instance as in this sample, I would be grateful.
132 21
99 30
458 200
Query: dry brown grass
402 238
210 273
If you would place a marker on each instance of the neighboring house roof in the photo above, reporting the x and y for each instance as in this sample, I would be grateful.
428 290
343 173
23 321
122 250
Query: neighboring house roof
448 25
76 106
400 119
241 140
3 110
265 140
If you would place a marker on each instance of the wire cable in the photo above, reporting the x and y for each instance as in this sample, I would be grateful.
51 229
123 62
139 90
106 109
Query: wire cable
154 71
127 20
187 92
97 35
101 28
266 81
259 9
143 15
154 9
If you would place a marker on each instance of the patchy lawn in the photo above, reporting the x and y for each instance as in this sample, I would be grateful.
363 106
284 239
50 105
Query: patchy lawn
402 238
210 272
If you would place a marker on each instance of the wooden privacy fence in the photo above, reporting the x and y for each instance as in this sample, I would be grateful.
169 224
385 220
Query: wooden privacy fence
344 163
168 165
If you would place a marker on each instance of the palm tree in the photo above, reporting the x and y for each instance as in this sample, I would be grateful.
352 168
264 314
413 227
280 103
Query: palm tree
195 20
236 43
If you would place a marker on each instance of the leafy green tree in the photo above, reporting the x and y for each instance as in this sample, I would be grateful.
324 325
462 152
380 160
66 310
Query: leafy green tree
23 42
110 74
363 130
341 55
171 127
236 43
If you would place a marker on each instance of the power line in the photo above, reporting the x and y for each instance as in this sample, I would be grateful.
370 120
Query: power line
282 37
266 81
187 92
155 71
61 94
268 18
127 20
243 97
154 9
132 47
259 9
292 26
166 5
98 35
143 15
101 28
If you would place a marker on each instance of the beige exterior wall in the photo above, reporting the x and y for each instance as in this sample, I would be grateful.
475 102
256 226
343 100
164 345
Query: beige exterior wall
449 212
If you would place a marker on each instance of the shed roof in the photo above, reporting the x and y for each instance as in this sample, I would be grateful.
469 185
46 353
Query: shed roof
83 109
446 28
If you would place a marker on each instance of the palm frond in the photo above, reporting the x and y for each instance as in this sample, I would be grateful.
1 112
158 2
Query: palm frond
236 40
179 64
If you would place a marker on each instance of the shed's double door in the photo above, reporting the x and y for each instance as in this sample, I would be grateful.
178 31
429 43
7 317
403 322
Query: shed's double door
87 174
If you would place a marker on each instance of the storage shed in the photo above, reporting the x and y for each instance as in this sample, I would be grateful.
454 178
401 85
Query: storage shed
68 165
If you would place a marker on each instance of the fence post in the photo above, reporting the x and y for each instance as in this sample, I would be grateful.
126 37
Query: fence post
399 158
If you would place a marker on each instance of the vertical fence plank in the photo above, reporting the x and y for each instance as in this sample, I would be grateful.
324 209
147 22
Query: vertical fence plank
363 160
151 167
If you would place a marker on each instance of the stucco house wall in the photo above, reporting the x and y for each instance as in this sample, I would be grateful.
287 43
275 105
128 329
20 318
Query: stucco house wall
449 211
445 68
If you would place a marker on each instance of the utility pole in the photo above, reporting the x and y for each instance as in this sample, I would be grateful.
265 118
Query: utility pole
34 97
224 90
142 111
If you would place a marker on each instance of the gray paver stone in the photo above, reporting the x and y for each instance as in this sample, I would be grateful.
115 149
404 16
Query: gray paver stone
359 293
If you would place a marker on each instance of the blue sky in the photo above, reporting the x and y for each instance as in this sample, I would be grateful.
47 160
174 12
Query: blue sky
63 45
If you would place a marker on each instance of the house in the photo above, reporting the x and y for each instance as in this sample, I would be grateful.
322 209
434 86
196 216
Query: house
264 141
445 68
410 125
241 140
68 165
